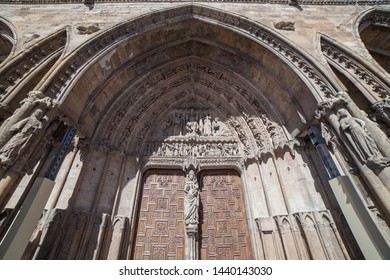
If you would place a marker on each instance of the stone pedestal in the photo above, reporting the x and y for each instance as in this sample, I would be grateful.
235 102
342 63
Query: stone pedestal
192 242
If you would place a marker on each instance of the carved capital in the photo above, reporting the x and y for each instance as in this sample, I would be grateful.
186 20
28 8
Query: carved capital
382 111
341 99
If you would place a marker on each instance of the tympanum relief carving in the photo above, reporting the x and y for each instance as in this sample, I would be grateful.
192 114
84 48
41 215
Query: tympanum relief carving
193 131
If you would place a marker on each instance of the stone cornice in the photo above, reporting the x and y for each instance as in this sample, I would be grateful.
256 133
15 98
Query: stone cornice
279 2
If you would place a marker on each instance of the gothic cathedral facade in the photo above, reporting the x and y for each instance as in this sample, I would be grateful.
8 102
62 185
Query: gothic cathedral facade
195 130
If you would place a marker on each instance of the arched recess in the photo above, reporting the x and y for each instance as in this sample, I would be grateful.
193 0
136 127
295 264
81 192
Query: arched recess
155 39
374 30
7 40
126 89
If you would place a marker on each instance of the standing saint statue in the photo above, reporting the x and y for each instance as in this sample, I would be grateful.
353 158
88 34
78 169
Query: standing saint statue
207 126
25 130
358 136
191 204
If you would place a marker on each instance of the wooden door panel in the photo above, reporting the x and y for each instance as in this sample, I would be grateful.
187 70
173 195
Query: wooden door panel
223 226
160 229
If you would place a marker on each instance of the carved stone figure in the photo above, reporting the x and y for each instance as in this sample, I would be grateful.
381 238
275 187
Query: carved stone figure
207 126
285 25
34 98
191 204
177 121
26 130
219 128
382 111
192 128
358 136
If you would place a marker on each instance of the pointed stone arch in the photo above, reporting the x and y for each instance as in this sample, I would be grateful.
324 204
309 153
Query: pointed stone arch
24 71
373 29
8 40
299 73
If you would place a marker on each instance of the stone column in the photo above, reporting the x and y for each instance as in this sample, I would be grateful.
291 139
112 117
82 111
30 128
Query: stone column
191 213
343 123
6 184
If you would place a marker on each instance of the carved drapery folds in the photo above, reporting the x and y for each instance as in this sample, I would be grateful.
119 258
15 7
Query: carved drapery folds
22 132
368 142
363 141
191 201
360 139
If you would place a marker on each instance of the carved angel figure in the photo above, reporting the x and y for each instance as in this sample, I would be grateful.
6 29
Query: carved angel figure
26 130
191 204
358 136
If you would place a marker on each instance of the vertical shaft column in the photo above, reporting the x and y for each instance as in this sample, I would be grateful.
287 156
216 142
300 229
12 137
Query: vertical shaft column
191 214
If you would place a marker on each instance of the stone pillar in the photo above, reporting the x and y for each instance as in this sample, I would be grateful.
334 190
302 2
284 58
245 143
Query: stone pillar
368 157
192 242
191 211
6 184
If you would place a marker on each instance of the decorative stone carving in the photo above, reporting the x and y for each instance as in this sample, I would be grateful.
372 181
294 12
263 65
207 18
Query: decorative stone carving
285 25
360 138
191 202
24 131
25 63
89 29
382 111
330 139
276 133
350 64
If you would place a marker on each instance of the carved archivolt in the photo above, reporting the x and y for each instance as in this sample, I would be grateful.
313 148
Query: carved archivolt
25 63
262 35
349 63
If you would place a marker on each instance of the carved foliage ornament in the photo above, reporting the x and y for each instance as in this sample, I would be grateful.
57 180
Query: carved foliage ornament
351 65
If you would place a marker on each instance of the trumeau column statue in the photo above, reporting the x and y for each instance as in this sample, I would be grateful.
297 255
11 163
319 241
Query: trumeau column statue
191 206
191 213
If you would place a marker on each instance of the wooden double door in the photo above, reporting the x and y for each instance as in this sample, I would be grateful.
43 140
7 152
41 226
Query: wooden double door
160 230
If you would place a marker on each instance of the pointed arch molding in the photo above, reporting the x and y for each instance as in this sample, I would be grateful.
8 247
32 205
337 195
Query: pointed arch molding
373 16
25 63
370 81
75 65
8 31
